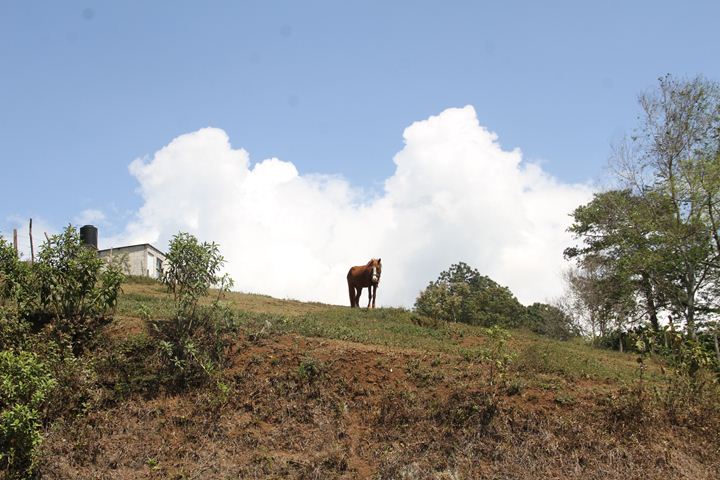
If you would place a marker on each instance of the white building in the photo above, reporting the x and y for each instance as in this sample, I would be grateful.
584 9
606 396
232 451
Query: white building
142 260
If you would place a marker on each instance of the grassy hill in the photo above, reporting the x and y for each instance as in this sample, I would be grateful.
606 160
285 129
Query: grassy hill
319 391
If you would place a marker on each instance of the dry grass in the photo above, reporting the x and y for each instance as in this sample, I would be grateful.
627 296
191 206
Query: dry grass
319 391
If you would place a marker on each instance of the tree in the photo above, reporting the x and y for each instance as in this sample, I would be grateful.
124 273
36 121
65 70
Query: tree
622 257
655 241
461 294
191 342
675 157
550 321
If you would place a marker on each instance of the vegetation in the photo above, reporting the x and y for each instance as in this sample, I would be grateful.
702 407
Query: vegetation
25 384
68 287
328 391
652 247
51 312
551 321
461 294
191 342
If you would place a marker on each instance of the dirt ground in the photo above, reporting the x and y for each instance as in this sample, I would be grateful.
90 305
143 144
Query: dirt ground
298 407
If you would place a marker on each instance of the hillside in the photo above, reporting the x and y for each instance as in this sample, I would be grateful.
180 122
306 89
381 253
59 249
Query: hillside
318 391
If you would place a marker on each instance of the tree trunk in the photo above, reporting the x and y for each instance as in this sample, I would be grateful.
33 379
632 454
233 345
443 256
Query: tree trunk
690 304
650 299
713 225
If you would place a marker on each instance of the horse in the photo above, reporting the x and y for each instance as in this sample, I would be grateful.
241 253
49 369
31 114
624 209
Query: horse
364 276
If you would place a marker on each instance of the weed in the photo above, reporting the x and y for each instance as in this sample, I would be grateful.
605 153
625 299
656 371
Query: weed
422 375
514 387
465 408
565 399
310 369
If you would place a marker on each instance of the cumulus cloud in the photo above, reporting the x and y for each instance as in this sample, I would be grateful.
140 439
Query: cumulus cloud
456 195
90 216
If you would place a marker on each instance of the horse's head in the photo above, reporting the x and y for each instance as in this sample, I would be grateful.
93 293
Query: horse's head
376 268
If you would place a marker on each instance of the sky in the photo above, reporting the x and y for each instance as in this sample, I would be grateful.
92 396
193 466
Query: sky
305 137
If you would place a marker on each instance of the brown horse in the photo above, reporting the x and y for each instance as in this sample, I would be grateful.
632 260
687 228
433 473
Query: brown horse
361 277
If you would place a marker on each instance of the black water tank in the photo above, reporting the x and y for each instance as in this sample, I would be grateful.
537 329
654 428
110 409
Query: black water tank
88 235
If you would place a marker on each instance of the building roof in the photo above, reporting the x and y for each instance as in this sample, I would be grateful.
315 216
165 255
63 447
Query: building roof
131 246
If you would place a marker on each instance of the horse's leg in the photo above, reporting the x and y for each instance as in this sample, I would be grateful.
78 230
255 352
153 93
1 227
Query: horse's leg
351 291
358 292
370 297
374 294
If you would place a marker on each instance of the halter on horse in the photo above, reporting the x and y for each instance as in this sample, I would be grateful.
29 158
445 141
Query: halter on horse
361 277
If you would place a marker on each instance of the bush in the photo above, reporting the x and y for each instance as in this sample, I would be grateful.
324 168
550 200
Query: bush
550 321
9 271
192 343
461 294
25 384
68 286
77 288
13 331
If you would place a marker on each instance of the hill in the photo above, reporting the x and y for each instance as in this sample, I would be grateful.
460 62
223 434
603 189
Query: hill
319 391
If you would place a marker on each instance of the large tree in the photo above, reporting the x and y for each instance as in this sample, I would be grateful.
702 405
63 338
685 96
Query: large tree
658 233
622 257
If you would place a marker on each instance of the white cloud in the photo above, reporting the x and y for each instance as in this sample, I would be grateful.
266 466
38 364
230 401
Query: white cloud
40 228
90 217
456 195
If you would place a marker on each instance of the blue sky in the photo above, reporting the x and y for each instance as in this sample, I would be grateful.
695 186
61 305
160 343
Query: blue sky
87 87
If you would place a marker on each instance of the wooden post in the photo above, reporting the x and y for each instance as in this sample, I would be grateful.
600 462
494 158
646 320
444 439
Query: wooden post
32 249
15 241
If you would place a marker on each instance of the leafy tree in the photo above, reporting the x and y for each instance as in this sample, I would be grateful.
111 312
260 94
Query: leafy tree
9 271
191 342
461 294
623 258
653 244
673 155
550 321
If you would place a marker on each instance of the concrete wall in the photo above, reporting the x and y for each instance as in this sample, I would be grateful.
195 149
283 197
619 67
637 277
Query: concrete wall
138 260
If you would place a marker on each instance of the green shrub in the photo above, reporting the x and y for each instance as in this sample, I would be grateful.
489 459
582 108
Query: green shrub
550 321
68 286
496 354
76 287
461 294
192 343
9 271
310 369
13 331
25 383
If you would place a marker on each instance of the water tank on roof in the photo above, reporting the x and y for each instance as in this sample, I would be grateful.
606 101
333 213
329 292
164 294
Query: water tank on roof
89 236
